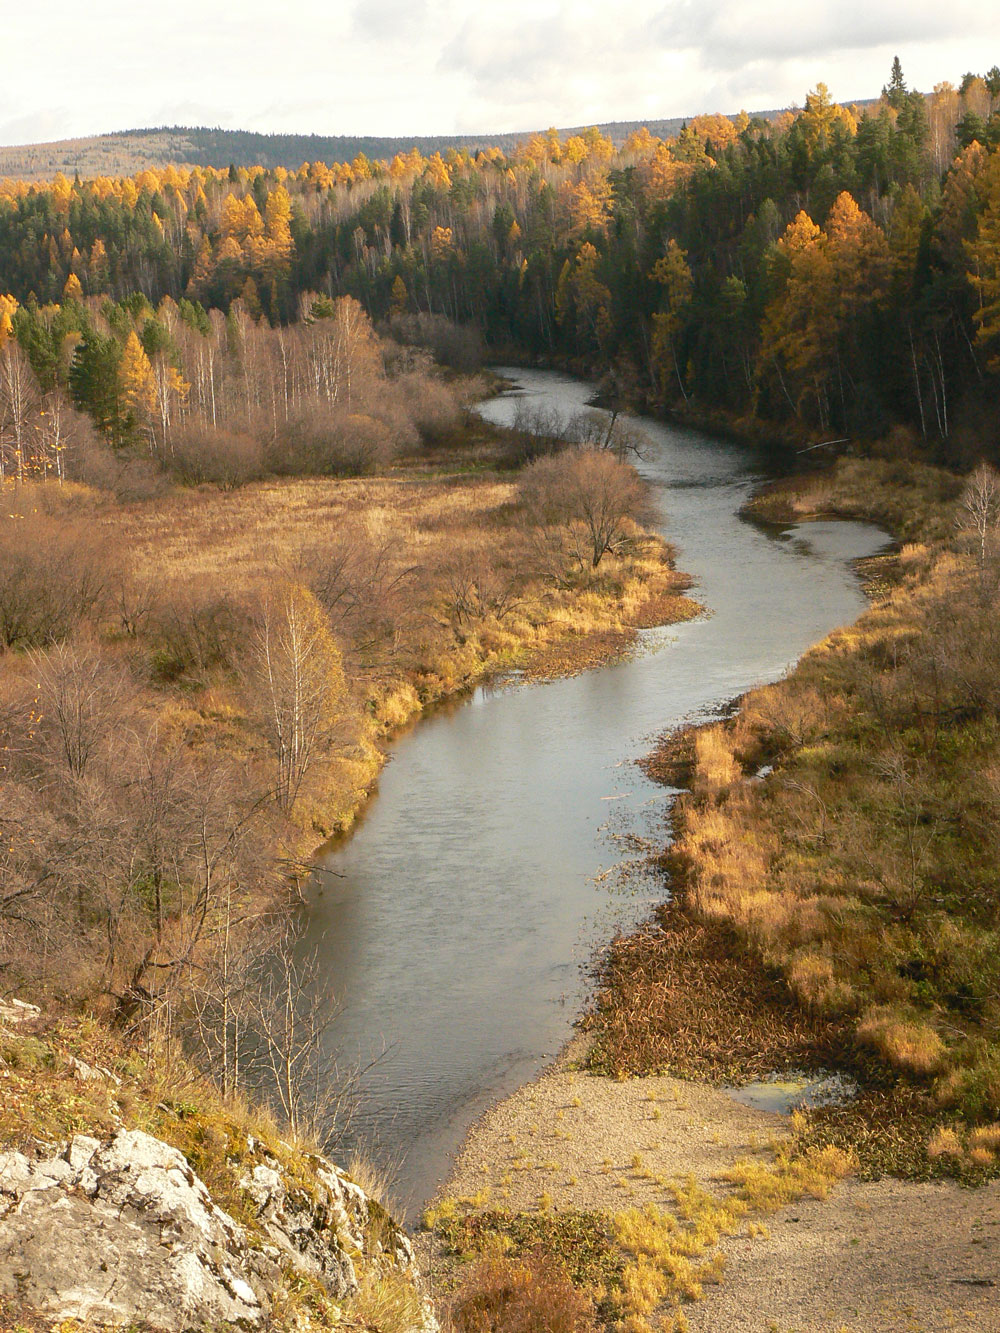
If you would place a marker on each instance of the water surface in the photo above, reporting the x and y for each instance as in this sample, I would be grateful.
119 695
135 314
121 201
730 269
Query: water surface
476 887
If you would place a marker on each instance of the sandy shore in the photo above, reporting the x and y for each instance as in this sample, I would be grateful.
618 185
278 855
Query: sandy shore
872 1258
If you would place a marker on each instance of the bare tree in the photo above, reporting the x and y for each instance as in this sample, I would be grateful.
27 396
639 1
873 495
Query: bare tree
613 431
299 682
18 402
82 698
294 1013
981 508
590 490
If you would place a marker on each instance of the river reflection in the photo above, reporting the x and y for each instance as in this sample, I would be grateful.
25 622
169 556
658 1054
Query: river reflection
468 905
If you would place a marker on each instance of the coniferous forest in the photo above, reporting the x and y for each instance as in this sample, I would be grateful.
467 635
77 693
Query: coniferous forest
833 270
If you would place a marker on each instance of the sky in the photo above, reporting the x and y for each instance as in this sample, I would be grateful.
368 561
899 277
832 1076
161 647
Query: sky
402 67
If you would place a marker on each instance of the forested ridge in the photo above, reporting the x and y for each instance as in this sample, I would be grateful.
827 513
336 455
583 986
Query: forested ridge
836 270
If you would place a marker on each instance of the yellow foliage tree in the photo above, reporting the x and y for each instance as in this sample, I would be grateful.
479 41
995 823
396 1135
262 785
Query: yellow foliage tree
135 377
400 298
674 273
8 305
799 326
984 257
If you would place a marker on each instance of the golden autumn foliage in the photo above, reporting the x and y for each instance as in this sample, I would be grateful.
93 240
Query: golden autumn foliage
138 386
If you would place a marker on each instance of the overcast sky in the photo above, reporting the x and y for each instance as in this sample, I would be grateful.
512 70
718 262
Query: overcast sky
401 67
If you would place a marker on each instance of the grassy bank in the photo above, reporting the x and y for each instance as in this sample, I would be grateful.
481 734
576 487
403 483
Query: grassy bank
64 1076
433 578
832 907
200 681
858 877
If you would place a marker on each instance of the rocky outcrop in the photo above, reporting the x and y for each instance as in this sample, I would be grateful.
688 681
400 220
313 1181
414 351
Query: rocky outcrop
125 1231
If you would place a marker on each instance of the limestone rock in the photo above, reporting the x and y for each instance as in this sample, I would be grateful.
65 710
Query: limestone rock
109 1233
15 1012
125 1231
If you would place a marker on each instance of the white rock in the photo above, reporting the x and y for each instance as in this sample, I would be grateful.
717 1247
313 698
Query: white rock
81 1150
126 1232
13 1012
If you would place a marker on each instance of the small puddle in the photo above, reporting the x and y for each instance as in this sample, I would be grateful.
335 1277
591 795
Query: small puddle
784 1093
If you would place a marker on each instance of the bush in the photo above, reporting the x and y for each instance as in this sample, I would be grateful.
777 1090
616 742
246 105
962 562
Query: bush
590 490
53 575
457 346
502 1295
206 453
329 442
196 629
430 405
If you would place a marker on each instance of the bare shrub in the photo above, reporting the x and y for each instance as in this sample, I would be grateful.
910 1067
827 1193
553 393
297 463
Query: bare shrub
132 598
329 442
507 1295
431 406
53 575
131 478
83 698
458 346
478 584
195 628
32 924
361 577
590 490
594 429
536 432
202 452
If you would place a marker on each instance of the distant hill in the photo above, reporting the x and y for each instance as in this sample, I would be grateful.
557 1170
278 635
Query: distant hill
129 151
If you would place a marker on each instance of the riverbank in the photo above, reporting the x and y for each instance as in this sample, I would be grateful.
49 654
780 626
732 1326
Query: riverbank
435 587
413 585
914 1254
577 1150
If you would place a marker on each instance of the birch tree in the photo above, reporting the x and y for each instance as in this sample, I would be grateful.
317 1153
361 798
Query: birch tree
299 681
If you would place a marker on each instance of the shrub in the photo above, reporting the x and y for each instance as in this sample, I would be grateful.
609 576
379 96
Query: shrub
590 490
430 405
206 453
53 574
330 442
504 1295
458 346
196 629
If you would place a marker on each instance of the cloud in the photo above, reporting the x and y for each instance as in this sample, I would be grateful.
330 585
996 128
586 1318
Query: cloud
409 67
724 34
390 21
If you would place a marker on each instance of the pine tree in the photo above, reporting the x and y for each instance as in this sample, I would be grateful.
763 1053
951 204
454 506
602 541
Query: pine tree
895 91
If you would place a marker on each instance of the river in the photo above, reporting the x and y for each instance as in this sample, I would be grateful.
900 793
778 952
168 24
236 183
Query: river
461 914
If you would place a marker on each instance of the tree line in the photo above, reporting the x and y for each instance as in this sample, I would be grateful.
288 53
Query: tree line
832 269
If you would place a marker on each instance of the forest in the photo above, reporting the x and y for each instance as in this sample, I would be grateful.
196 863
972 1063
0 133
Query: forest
830 271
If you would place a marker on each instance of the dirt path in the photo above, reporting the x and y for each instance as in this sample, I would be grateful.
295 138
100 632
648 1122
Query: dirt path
887 1257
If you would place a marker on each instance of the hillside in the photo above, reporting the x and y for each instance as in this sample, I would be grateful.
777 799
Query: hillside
130 151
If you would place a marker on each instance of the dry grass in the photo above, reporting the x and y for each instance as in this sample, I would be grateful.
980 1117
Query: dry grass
859 871
910 499
639 1264
672 1001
